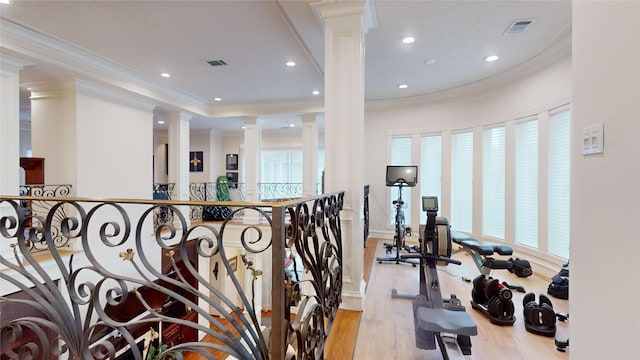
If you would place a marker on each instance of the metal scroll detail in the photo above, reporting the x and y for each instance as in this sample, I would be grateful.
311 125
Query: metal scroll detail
132 277
315 232
41 208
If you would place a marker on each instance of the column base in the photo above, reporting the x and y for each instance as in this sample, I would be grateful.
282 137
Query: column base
353 300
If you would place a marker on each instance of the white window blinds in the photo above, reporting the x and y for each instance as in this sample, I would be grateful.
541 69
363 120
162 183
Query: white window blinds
493 178
526 184
430 169
462 181
558 183
400 155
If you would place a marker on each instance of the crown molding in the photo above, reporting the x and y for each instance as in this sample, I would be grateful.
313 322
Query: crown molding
556 51
43 48
267 108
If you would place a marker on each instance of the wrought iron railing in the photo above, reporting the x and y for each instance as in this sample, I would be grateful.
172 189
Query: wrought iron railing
269 192
208 191
41 208
279 191
163 215
132 279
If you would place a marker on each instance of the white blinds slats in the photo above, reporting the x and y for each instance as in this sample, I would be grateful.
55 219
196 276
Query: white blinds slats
400 155
526 184
558 183
462 181
430 169
493 179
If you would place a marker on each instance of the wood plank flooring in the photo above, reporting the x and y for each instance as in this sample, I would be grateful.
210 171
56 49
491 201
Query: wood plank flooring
386 327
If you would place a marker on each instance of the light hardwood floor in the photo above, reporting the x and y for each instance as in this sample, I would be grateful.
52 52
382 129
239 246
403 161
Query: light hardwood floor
386 329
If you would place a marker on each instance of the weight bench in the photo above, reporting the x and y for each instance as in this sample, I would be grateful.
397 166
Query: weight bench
481 252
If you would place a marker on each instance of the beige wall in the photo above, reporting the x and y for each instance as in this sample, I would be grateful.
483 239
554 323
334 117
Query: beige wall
605 251
528 96
105 152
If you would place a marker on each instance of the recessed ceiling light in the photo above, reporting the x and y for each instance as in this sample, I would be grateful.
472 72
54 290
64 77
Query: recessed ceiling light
430 61
408 40
290 63
243 127
491 58
217 99
292 125
165 75
316 92
5 1
160 122
403 86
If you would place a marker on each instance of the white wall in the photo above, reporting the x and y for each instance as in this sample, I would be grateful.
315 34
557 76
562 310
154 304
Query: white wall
233 144
160 153
217 156
605 211
200 142
527 96
115 150
53 131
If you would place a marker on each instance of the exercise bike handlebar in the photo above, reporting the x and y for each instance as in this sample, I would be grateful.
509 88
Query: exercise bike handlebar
427 257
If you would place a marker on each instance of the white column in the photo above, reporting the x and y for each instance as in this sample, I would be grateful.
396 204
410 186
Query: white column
252 147
216 163
10 124
9 133
345 25
179 156
309 154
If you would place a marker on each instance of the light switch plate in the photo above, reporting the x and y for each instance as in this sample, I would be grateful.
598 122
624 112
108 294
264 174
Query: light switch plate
593 140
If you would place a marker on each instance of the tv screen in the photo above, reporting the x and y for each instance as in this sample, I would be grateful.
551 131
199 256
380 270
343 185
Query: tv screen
402 175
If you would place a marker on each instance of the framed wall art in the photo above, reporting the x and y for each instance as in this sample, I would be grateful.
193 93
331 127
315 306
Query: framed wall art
196 161
232 161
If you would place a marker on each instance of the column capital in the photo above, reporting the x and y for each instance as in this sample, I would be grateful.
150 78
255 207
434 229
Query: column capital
308 118
179 116
252 120
12 65
335 10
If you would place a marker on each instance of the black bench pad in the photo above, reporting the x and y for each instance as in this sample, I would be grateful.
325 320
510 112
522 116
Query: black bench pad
483 248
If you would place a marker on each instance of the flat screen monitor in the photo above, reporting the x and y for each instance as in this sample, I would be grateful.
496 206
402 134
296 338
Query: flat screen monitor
402 175
430 203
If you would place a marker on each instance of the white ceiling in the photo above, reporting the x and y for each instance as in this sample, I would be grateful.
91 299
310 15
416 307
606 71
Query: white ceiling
256 38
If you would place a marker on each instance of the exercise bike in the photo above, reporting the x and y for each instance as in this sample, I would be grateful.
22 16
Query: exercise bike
399 176
433 315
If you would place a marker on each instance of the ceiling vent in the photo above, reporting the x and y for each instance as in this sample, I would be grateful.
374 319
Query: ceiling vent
216 62
518 27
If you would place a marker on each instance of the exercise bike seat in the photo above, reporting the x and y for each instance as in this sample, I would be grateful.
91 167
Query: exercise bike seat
440 320
482 248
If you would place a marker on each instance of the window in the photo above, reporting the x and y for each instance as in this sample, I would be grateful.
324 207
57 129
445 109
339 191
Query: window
320 170
281 166
462 181
558 211
284 166
493 175
400 155
526 184
430 169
